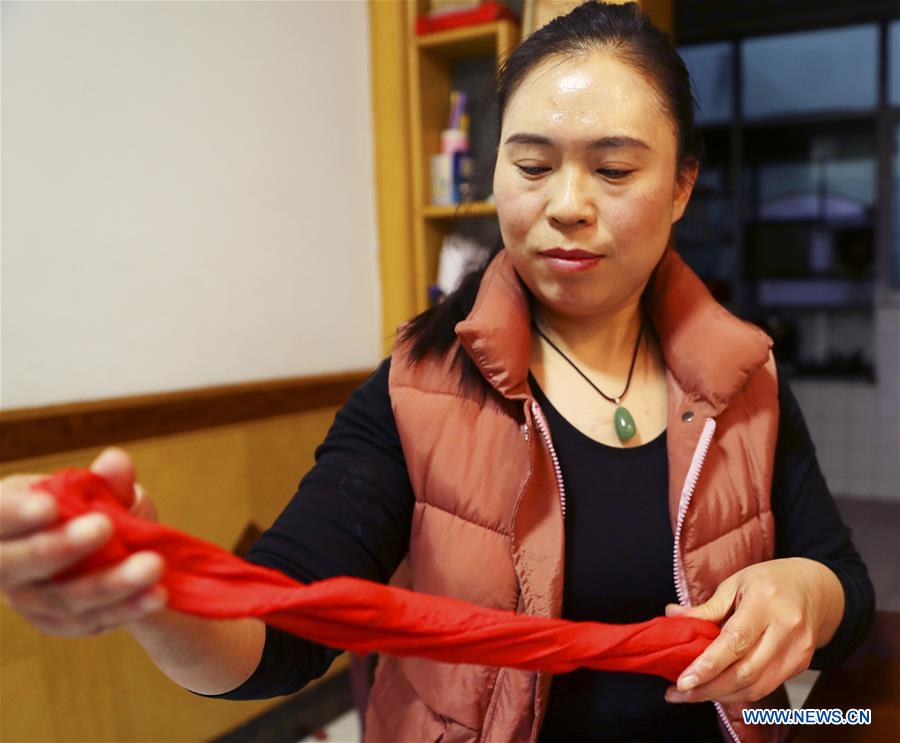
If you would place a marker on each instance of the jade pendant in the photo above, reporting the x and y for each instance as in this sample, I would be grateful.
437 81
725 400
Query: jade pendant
624 423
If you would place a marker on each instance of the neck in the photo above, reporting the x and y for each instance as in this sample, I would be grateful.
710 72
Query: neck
600 341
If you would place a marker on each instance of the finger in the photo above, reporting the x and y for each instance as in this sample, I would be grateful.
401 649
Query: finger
736 678
115 616
735 639
783 657
90 592
23 510
40 556
714 609
116 585
115 466
95 622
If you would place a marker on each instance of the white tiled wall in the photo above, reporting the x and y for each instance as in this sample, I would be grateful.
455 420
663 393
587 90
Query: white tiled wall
856 426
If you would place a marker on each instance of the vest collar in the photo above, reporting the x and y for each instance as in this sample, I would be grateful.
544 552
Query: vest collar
710 352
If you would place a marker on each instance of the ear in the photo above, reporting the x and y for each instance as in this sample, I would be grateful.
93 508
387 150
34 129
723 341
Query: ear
684 187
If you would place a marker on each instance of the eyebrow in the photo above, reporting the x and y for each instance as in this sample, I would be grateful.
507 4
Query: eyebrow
596 144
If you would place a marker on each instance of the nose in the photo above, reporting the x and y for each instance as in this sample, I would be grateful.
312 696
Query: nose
569 200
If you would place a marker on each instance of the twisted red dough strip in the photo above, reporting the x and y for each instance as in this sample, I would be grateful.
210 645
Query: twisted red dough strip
363 616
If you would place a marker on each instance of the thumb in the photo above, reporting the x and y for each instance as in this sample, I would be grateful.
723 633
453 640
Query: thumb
714 609
115 466
677 610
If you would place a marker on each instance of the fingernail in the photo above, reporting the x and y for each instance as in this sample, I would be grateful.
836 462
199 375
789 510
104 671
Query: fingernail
138 567
37 509
674 697
687 682
87 528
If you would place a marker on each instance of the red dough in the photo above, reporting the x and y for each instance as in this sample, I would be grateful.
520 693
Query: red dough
363 616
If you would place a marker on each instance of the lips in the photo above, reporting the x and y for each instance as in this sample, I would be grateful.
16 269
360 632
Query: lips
570 261
570 255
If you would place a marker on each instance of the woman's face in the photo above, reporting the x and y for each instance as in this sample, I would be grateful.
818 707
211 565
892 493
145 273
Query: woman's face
586 162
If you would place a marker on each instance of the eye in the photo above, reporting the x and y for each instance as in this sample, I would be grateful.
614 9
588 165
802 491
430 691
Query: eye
611 173
614 173
532 169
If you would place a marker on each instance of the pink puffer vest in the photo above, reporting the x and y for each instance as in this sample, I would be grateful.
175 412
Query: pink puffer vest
488 520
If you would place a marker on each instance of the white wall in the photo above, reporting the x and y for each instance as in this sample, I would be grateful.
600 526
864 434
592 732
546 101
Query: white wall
188 196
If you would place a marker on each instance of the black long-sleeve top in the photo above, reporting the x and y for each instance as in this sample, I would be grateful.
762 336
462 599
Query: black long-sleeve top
351 515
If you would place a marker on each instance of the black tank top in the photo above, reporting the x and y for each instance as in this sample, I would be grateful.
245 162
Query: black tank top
618 569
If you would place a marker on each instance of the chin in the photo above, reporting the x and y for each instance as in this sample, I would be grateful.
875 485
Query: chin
571 301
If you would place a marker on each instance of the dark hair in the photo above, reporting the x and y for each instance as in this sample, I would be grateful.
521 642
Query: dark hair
593 26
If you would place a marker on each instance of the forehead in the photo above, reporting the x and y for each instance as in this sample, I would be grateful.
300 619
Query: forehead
588 95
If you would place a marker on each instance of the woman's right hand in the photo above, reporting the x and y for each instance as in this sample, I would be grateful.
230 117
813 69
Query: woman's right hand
33 550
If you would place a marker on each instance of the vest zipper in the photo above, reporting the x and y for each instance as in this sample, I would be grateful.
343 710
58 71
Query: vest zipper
545 434
687 492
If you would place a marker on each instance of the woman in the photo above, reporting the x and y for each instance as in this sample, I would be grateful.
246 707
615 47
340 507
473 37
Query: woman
580 430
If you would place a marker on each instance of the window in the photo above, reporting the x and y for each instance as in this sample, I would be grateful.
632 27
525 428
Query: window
710 68
895 212
810 207
834 69
894 63
785 217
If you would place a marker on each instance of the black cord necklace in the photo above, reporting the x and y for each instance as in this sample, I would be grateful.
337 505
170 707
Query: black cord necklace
622 420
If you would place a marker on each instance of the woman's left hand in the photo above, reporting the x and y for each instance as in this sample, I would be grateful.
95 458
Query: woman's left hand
782 611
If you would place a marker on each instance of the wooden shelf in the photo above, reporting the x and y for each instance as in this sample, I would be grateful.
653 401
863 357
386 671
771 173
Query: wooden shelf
469 41
458 211
431 62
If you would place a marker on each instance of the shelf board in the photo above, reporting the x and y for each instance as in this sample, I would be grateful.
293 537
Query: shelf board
454 211
468 41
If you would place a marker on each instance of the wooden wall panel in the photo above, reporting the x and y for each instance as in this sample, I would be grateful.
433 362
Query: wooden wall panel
209 483
276 468
29 432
